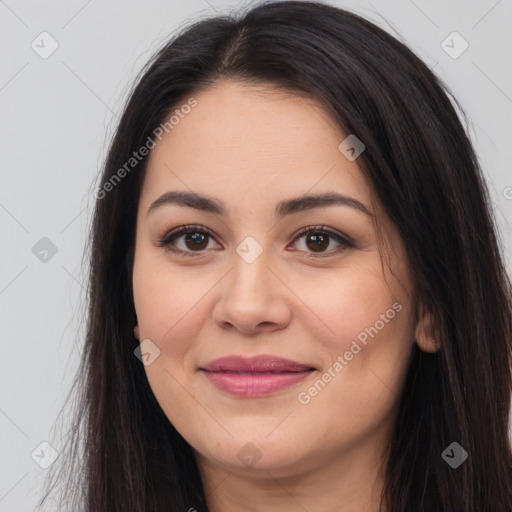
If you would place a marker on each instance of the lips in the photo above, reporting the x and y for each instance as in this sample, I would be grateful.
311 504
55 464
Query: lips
254 376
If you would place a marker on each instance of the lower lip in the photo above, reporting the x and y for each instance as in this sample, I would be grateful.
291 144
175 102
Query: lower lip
254 384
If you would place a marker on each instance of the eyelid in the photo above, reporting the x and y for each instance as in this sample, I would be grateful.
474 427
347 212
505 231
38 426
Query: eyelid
165 240
342 239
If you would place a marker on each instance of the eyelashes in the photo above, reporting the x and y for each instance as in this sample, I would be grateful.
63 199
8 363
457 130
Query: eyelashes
323 235
168 240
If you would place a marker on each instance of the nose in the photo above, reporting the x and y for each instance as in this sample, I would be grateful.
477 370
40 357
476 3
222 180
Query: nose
253 298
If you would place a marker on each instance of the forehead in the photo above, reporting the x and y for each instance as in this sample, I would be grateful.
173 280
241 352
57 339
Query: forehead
255 143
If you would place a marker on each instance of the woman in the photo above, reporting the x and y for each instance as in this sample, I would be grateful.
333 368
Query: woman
297 298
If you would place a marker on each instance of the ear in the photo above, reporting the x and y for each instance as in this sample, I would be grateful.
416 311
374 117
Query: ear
426 335
136 331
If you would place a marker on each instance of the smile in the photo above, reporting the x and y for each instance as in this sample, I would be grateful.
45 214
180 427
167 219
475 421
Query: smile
256 376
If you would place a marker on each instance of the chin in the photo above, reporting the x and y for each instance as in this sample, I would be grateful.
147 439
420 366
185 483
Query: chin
255 454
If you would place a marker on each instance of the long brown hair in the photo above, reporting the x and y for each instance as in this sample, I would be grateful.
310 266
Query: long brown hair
123 454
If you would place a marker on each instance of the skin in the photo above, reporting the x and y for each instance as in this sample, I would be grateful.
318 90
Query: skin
252 147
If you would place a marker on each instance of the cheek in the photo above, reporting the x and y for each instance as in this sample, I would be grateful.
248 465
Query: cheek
365 324
355 303
168 302
170 313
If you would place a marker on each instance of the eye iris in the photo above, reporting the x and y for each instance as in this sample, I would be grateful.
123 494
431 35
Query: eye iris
199 240
319 241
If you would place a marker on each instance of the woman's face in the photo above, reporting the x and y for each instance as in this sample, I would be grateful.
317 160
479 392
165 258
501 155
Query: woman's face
248 283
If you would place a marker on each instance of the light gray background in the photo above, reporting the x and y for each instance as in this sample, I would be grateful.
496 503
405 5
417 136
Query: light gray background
57 115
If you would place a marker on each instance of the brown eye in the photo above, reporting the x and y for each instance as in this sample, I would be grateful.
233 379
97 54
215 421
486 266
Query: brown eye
317 242
196 240
187 240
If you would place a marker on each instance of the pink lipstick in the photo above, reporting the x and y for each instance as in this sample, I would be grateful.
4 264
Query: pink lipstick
254 376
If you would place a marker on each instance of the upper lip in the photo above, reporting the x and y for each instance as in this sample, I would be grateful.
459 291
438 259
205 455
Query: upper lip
261 363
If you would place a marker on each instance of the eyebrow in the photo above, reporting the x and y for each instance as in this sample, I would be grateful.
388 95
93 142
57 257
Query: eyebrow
286 207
